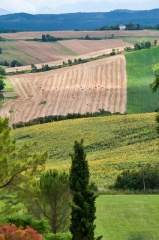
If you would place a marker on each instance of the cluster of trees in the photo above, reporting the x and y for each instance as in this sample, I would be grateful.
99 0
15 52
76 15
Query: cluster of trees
144 178
55 118
49 38
143 45
155 27
132 26
53 202
106 28
13 63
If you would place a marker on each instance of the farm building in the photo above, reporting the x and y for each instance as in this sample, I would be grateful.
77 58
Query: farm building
122 27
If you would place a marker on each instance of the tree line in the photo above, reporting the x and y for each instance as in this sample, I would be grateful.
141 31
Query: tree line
55 118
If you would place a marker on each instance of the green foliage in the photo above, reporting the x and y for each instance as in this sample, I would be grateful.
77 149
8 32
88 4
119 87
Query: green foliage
145 178
58 236
50 198
155 85
15 63
143 45
155 42
83 203
2 84
41 226
0 50
2 72
49 38
16 174
113 52
132 26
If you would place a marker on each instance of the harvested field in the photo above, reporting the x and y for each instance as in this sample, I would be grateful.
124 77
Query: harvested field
60 62
76 34
100 84
27 52
88 46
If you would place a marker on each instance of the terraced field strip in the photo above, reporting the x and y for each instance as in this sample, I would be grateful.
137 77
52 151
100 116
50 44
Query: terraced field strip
77 34
28 52
100 84
60 62
88 46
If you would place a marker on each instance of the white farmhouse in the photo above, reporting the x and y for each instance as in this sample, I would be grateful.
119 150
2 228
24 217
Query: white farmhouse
122 27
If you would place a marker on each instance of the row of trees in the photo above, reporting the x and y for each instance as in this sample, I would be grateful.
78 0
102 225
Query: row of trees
55 118
51 195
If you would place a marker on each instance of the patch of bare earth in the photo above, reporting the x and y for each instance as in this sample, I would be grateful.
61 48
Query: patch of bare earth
100 84
77 34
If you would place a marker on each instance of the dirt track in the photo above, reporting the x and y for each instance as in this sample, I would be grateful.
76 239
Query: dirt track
100 84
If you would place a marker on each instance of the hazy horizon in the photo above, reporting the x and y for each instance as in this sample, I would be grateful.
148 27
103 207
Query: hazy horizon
71 6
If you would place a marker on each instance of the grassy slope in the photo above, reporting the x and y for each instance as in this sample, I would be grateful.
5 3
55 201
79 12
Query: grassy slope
140 75
112 143
136 39
124 217
12 51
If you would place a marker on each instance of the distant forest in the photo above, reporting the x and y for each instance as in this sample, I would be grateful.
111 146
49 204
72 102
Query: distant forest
81 21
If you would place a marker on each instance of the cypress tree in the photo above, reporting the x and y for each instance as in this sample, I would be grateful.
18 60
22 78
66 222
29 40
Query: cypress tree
83 203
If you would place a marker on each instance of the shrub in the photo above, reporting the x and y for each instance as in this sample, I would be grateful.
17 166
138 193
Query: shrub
58 236
8 232
145 178
41 226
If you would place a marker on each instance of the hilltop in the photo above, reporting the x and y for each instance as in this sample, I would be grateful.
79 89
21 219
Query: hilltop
70 21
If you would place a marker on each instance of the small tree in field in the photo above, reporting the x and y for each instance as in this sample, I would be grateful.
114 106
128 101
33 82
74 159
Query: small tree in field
2 84
83 206
155 42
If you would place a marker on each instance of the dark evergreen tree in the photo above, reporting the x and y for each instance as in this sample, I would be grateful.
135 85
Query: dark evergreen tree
83 206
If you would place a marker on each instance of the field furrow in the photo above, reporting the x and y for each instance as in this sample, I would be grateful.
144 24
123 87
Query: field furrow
100 84
88 46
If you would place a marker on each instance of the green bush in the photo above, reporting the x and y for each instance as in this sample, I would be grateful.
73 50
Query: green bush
41 226
58 236
144 178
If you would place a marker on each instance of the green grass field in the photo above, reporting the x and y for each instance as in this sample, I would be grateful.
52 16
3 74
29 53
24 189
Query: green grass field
136 39
112 143
127 217
8 85
139 65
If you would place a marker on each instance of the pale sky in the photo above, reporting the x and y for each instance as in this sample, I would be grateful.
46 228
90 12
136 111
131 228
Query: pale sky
65 6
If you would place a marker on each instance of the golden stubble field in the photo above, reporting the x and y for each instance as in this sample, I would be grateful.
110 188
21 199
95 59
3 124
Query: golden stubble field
100 84
88 46
75 34
62 50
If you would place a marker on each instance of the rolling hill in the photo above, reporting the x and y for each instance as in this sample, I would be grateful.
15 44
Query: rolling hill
70 21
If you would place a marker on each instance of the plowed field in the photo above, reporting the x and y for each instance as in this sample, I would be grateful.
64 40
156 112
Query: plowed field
88 46
27 52
75 34
83 88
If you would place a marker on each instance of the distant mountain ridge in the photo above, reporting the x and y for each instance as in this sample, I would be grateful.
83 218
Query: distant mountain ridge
3 11
70 21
